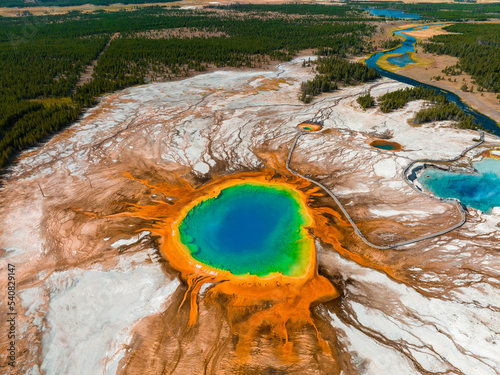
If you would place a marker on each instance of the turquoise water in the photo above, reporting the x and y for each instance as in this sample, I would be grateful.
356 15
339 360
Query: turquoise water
406 48
384 146
481 191
248 228
393 13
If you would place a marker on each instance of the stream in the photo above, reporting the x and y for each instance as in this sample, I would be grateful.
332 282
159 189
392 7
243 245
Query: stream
406 48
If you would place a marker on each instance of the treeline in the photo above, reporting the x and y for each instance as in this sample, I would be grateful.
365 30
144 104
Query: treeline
442 108
252 43
333 70
127 61
477 47
34 126
344 11
441 11
390 43
314 87
399 98
67 3
42 58
340 70
445 111
32 71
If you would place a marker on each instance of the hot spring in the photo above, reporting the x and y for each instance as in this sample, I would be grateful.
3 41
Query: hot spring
480 191
385 145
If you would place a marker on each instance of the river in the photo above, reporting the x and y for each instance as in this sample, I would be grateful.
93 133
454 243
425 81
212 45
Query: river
406 48
391 13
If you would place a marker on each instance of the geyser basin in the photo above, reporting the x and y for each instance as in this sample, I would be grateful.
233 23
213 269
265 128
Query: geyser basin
247 235
480 191
249 228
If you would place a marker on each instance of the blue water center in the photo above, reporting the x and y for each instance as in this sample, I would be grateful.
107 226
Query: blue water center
250 228
390 13
480 191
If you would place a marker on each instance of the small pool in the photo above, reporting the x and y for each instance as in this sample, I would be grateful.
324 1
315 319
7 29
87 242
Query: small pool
386 145
309 126
480 191
391 13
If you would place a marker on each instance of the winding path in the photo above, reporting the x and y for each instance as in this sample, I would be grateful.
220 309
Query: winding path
454 201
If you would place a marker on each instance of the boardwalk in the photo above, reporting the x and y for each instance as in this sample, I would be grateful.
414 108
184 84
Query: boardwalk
454 201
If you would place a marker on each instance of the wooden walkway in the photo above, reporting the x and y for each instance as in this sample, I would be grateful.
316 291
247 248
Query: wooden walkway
454 201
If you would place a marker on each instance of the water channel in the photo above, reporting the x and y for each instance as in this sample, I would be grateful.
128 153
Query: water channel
404 58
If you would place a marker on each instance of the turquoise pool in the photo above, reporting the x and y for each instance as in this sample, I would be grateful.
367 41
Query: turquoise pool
250 229
480 191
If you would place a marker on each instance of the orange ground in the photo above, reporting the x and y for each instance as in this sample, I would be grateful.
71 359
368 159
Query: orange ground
290 297
309 126
381 142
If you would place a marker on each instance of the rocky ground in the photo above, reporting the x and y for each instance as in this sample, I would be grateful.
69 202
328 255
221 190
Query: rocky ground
91 286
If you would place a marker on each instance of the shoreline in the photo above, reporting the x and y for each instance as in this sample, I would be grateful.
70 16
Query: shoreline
422 72
473 100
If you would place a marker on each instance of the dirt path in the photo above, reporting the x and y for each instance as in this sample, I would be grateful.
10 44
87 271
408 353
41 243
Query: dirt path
87 75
